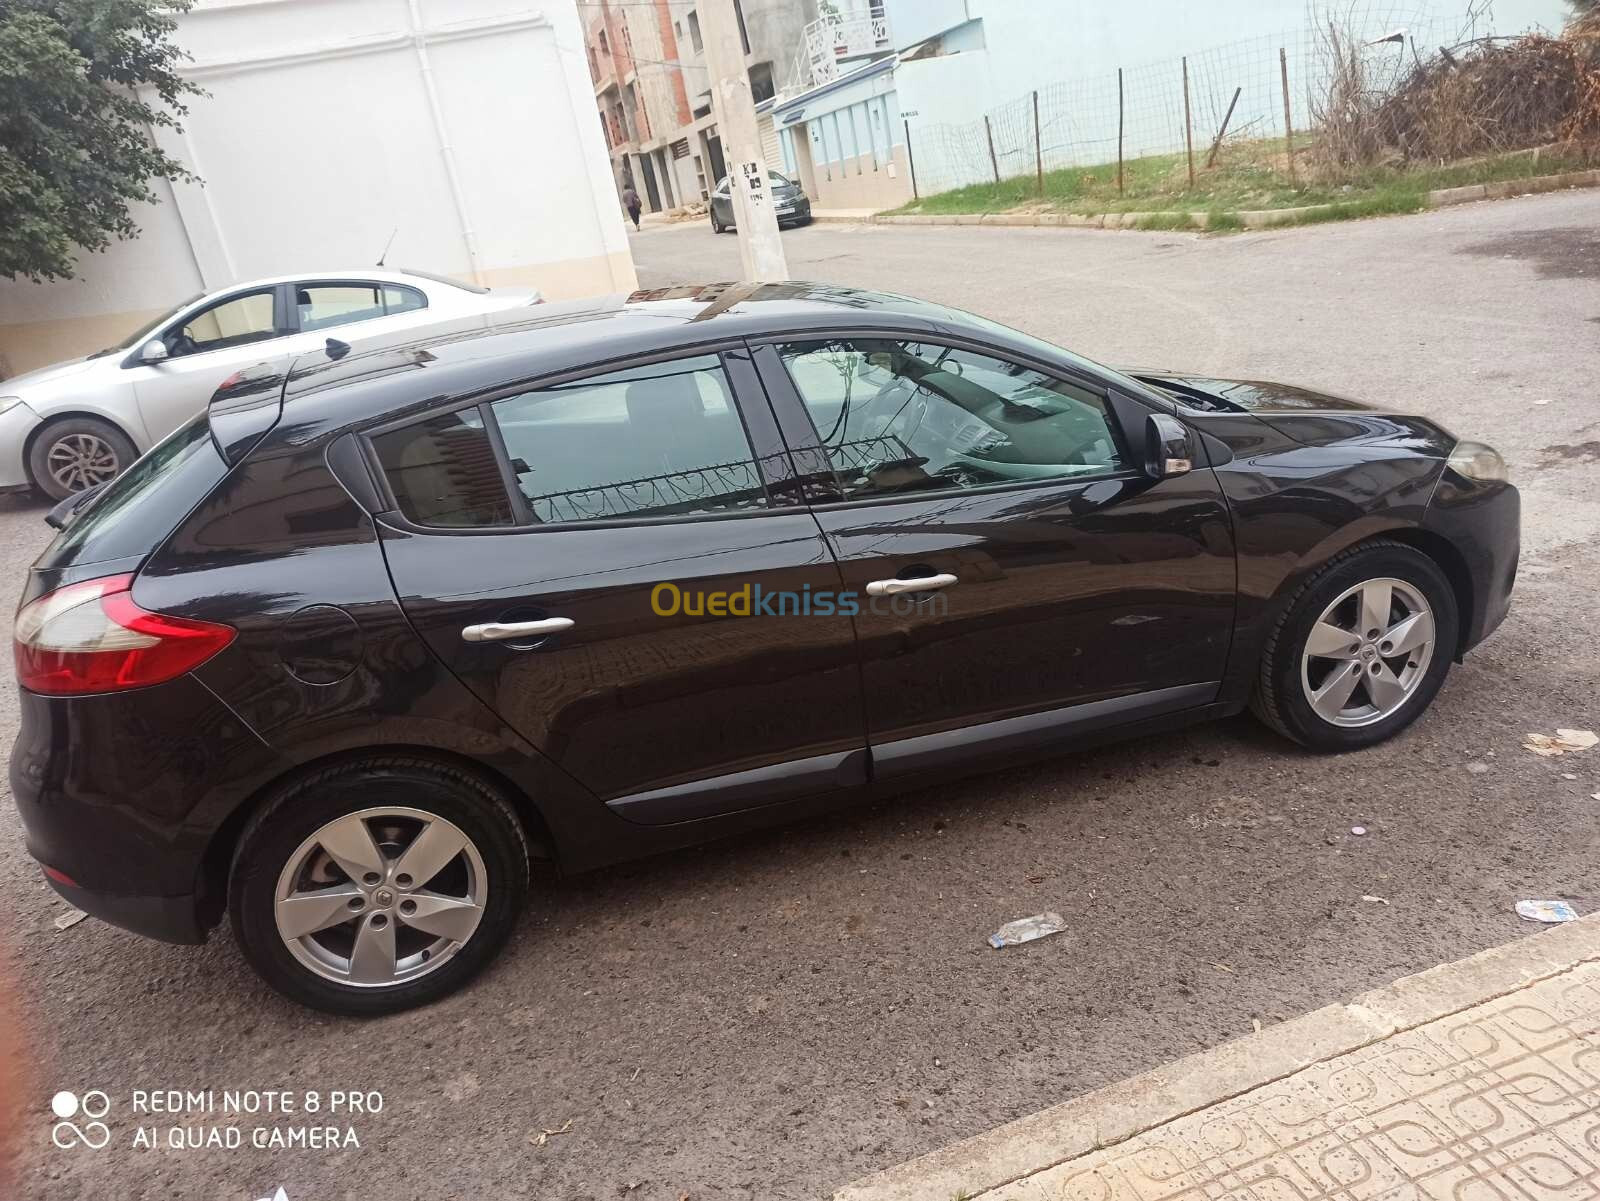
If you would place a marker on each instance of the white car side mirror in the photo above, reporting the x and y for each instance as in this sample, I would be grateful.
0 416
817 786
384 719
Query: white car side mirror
153 351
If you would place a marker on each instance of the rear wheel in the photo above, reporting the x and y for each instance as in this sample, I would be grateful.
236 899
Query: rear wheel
1360 651
75 453
378 885
716 226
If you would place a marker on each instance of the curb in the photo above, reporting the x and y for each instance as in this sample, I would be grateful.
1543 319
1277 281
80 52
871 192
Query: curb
1120 1111
1249 218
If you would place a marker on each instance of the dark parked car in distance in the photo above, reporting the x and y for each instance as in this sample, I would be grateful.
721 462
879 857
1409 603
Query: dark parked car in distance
344 656
790 203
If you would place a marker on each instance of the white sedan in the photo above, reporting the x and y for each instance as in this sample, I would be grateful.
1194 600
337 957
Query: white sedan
79 423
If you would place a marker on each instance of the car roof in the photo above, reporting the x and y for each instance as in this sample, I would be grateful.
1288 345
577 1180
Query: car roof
480 351
396 275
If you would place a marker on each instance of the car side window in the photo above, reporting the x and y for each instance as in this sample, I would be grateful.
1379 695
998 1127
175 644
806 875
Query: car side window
323 306
444 472
237 321
900 416
661 440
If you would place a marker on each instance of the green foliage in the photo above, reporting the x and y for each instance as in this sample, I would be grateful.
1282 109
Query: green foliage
82 83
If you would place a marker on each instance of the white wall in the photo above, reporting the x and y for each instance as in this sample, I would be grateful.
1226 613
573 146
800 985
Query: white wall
320 138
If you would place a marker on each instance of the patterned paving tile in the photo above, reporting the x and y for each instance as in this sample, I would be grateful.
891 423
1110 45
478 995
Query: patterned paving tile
1500 1102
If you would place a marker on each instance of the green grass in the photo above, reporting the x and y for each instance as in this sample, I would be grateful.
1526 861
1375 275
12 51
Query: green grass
1245 178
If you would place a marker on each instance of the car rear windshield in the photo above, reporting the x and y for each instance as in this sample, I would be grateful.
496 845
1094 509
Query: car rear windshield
138 509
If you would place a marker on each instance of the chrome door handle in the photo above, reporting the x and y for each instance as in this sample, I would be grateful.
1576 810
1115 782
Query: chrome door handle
496 631
927 583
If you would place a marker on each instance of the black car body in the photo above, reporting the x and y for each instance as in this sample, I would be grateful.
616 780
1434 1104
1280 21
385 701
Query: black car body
1128 597
790 204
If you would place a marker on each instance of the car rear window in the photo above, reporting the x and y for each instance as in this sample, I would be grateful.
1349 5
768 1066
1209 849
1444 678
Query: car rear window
139 508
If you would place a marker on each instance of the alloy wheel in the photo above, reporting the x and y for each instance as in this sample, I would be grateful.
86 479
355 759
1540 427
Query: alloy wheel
79 461
381 896
1368 652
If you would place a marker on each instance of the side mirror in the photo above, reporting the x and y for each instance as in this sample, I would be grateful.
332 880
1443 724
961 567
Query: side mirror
1167 451
153 351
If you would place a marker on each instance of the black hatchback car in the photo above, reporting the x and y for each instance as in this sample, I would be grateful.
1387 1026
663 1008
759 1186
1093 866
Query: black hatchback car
344 656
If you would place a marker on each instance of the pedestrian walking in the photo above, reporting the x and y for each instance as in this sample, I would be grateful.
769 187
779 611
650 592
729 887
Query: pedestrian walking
630 201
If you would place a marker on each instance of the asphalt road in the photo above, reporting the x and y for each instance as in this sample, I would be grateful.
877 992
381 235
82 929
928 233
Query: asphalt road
770 1017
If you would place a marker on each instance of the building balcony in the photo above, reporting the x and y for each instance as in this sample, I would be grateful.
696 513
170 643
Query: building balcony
842 38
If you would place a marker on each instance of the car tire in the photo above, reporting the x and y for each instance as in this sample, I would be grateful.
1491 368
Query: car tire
1333 695
716 226
396 800
77 449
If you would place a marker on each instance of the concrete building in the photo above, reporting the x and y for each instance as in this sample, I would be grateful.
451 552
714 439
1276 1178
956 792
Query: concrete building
840 128
464 129
647 61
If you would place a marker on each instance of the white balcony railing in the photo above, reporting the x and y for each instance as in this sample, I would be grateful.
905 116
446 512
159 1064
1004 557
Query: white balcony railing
838 38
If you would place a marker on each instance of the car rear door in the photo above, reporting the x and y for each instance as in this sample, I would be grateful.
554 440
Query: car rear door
1035 583
594 556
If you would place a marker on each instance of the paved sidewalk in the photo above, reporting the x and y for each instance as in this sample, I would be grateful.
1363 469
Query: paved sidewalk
1475 1081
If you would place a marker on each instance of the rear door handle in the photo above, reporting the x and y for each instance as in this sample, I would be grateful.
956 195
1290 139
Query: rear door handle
927 583
497 631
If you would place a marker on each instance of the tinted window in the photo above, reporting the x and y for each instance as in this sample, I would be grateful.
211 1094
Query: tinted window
901 416
322 306
139 508
444 472
234 322
650 441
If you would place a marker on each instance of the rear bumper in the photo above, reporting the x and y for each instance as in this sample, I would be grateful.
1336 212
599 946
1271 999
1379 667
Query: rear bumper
170 919
125 793
1484 524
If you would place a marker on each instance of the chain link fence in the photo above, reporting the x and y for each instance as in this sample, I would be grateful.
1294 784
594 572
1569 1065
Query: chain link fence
1076 122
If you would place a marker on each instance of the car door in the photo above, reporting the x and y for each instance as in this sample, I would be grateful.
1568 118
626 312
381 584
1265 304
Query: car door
605 560
204 347
722 204
1032 581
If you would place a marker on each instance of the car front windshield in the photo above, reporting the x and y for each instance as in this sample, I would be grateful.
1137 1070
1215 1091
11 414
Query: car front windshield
144 331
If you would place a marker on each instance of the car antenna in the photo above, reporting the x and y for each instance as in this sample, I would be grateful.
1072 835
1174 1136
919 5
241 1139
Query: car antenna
386 246
336 349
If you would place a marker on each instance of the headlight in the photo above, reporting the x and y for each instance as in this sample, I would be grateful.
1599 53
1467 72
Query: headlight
1478 462
7 403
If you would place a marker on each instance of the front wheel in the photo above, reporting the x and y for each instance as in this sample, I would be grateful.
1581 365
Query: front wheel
1360 651
377 885
76 453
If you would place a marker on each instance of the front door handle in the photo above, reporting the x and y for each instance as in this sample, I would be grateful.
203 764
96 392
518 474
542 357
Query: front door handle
927 583
497 631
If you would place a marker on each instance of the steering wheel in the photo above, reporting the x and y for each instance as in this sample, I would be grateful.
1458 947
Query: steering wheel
181 343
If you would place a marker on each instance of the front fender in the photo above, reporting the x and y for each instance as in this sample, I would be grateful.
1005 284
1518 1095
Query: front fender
1294 508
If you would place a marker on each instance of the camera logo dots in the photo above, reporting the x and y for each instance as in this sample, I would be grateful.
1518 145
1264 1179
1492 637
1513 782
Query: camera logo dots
91 1107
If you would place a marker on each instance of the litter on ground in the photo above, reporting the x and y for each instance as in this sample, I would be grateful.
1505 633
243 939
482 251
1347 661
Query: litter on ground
1026 929
1546 911
1559 744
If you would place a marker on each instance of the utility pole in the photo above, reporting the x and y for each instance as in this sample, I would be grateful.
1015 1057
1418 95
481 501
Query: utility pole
760 250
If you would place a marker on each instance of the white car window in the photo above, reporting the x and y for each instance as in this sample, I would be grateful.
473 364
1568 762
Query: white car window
322 306
236 321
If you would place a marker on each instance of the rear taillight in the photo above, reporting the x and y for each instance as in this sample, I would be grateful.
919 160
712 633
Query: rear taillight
91 637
